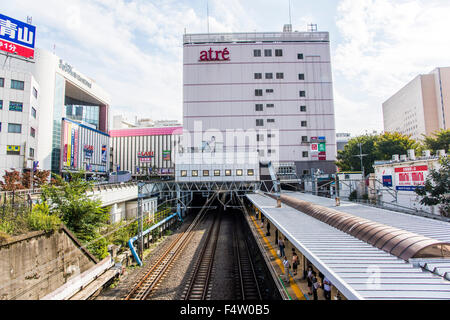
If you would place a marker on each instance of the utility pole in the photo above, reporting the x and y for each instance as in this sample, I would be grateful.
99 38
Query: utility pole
361 156
140 236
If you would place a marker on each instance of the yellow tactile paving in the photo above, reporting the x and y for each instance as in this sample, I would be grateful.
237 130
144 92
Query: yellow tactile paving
292 284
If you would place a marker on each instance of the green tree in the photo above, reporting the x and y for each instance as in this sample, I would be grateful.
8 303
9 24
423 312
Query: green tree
394 143
439 140
82 214
437 188
375 147
347 160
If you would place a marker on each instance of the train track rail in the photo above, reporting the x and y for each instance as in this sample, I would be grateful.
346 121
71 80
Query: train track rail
154 274
247 283
198 287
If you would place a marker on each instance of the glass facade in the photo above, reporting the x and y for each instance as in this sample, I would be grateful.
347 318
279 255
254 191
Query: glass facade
57 116
82 111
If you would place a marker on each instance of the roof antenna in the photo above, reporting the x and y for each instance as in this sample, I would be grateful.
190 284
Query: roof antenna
207 14
290 20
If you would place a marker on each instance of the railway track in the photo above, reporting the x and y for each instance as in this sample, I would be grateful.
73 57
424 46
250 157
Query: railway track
247 287
155 272
198 287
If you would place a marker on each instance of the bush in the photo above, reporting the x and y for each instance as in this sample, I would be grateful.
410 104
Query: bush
41 219
353 196
99 248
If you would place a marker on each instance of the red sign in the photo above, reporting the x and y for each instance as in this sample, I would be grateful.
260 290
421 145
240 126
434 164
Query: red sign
322 156
412 169
215 55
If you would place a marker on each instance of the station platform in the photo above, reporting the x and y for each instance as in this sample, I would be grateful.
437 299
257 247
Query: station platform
357 270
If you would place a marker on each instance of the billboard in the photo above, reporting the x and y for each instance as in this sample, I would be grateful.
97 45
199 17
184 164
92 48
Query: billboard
17 37
409 178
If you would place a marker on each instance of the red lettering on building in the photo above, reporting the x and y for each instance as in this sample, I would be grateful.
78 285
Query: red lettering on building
215 55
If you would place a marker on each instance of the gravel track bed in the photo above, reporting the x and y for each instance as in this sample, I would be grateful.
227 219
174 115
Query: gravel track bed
175 281
223 282
132 275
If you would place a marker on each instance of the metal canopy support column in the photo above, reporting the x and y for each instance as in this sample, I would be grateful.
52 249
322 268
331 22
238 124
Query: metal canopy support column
140 217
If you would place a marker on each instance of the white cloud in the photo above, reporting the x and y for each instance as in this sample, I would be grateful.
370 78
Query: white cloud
386 44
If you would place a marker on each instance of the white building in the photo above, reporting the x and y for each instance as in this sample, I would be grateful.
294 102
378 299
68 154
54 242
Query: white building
272 92
422 107
120 122
396 180
19 119
62 92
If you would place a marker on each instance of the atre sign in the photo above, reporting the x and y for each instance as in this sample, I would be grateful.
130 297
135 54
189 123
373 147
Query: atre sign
215 55
17 37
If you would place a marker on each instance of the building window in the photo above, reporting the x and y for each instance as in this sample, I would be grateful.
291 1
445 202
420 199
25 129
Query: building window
270 120
300 56
258 92
270 135
250 172
269 90
278 52
15 106
18 85
216 173
14 128
239 172
270 151
258 75
2 82
31 153
304 138
33 112
32 132
195 173
303 108
305 172
257 53
259 122
259 107
1 104
280 75
301 76
259 137
269 75
305 154
268 52
304 124
228 173
13 150
184 173
270 105
206 173
35 92
302 93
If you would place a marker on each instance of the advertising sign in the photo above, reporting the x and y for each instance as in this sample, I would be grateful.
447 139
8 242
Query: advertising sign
88 151
145 156
215 55
17 37
104 153
322 156
314 147
387 181
166 155
322 147
409 178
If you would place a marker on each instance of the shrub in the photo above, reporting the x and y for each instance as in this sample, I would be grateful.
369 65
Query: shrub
353 196
41 219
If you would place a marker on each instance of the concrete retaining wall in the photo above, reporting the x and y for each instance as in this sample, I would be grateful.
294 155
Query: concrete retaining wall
36 264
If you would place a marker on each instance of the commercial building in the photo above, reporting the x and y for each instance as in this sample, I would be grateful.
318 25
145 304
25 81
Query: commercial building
120 122
19 119
52 90
144 151
266 92
421 107
341 140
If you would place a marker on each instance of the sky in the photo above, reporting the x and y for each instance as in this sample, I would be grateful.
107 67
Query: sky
133 48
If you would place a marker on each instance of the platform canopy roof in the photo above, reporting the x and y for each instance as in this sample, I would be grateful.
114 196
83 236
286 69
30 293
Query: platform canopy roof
357 269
